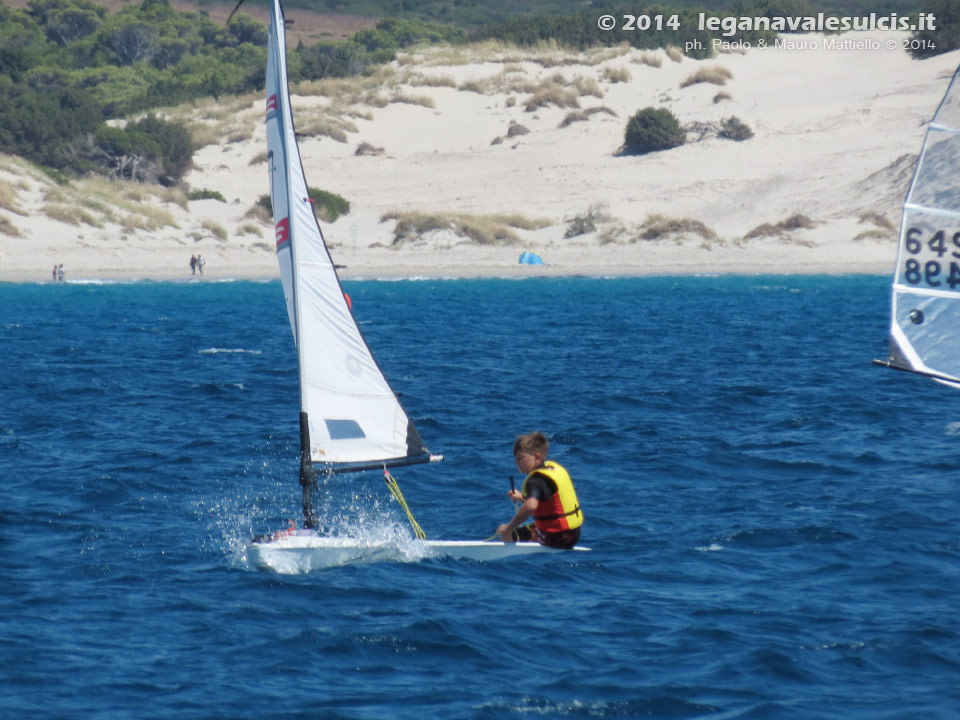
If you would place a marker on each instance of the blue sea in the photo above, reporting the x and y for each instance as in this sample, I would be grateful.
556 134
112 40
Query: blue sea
773 520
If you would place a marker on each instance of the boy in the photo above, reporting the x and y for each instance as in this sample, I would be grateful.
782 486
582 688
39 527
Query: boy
547 495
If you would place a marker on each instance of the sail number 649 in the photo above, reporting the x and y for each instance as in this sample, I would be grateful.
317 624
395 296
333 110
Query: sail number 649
931 273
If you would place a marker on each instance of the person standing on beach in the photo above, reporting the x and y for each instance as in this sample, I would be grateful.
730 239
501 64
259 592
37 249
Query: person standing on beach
193 264
547 496
54 273
200 263
60 272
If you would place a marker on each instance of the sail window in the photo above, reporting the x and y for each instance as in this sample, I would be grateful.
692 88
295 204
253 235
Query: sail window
344 429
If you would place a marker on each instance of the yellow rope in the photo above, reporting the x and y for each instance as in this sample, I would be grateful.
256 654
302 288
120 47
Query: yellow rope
395 491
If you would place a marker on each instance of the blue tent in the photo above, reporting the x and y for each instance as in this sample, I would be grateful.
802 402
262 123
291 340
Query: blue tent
530 258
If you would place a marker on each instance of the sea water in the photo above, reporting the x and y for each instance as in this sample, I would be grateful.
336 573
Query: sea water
773 520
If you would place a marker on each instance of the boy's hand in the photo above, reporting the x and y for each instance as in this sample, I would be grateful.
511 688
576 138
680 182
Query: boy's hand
515 495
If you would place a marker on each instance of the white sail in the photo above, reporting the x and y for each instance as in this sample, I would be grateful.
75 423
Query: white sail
925 322
354 417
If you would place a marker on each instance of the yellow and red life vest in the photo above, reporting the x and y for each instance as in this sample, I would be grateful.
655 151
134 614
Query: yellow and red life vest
562 511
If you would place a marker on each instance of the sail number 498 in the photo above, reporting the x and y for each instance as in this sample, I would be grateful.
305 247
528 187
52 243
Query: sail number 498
932 273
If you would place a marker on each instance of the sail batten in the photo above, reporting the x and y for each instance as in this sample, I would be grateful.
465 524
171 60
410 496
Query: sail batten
925 312
349 412
932 210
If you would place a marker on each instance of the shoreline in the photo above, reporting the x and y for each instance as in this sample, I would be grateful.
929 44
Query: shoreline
743 269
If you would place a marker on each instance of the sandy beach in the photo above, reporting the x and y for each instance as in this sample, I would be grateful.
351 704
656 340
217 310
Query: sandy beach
448 133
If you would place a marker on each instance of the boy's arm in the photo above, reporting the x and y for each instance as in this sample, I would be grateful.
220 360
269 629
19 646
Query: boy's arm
524 512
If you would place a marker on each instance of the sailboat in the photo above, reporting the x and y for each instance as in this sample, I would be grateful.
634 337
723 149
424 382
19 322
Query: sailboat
925 318
350 418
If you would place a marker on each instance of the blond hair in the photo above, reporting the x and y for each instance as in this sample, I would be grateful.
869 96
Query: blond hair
535 442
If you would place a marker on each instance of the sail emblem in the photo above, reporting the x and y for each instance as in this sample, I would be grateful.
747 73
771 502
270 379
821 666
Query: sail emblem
271 104
344 429
283 231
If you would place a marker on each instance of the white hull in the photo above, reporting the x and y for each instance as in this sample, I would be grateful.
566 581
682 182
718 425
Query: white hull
301 554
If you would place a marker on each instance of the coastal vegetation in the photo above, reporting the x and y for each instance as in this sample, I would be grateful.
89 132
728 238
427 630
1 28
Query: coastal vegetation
586 222
480 229
71 72
656 228
782 229
328 206
716 74
883 228
733 128
205 194
585 115
131 95
650 130
473 14
945 38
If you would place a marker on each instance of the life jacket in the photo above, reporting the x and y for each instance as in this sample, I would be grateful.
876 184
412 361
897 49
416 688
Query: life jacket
562 511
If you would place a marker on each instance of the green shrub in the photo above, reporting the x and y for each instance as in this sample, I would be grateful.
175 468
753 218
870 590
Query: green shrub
327 205
732 128
585 223
650 130
205 194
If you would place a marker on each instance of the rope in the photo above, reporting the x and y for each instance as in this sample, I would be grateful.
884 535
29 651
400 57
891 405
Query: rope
398 496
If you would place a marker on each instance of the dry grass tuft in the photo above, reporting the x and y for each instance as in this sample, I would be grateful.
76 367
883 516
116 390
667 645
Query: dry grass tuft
552 95
781 229
884 230
259 213
586 222
721 96
8 197
473 86
583 115
878 219
71 215
600 55
718 75
7 227
674 53
329 126
587 86
250 229
148 218
653 59
366 148
422 100
660 227
617 75
521 222
435 81
476 229
215 229
874 234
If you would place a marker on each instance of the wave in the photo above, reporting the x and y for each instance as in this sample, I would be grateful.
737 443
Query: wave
215 351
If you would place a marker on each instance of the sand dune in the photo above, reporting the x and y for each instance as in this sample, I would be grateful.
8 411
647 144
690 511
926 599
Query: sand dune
836 133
